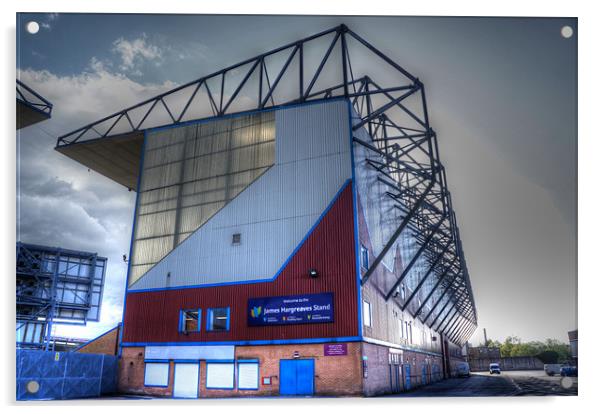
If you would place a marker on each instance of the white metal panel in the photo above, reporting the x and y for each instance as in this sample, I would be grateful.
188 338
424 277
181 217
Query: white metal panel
192 352
273 214
248 376
220 375
186 380
156 374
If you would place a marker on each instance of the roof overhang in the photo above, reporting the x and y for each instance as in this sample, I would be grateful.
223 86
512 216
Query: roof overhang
116 157
28 115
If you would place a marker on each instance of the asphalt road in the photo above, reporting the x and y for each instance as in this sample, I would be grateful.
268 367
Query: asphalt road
509 383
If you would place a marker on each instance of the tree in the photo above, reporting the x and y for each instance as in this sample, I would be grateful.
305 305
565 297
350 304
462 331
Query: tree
548 357
548 349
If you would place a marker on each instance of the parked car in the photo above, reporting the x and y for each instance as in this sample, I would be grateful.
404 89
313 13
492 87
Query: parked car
568 371
463 369
552 369
494 368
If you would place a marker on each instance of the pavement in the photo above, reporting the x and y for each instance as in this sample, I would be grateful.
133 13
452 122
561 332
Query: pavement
509 383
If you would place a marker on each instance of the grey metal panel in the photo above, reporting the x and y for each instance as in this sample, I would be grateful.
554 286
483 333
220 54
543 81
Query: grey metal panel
273 214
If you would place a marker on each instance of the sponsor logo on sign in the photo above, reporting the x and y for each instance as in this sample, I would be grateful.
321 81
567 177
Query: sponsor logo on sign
297 309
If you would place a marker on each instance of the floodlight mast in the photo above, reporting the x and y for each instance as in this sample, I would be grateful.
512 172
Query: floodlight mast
55 286
403 149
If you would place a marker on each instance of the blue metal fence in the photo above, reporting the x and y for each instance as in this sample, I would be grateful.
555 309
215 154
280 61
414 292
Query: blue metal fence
43 375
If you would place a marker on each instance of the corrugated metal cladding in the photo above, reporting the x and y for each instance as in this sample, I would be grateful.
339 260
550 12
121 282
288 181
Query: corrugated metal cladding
274 213
191 172
153 316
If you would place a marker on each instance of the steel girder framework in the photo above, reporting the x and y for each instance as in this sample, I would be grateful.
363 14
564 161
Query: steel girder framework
403 147
30 97
55 285
31 106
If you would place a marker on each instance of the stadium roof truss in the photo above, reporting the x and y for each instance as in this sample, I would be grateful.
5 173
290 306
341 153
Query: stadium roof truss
390 104
31 106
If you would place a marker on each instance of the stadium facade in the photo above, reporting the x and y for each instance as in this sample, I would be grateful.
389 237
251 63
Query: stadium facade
297 245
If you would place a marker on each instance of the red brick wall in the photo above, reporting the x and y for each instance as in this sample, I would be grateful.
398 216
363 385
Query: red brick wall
131 374
106 344
334 375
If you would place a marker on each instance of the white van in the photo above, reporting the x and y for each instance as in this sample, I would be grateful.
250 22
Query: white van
463 369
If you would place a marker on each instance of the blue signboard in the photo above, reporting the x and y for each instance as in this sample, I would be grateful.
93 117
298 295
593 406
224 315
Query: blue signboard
285 310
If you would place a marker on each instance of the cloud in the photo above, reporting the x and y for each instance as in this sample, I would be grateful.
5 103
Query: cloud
88 96
50 17
136 51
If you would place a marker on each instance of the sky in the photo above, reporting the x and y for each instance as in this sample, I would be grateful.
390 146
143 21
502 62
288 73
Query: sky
502 97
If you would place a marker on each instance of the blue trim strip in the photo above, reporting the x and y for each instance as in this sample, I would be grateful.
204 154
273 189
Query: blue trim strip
356 230
127 276
254 342
92 340
158 361
246 282
248 361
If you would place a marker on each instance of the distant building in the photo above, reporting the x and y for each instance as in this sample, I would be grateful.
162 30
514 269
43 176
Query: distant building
491 352
295 247
573 343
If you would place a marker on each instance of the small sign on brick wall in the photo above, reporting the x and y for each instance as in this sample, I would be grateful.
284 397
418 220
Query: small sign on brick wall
335 349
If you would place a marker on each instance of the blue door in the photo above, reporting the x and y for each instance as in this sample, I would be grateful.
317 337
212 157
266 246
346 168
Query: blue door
296 376
408 376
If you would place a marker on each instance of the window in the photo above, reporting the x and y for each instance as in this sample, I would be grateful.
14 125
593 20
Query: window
367 314
402 292
189 320
218 319
365 258
156 374
410 336
220 375
236 238
248 374
400 327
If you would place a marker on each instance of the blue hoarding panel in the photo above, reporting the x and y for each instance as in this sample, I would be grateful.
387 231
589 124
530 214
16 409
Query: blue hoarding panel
64 375
285 310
